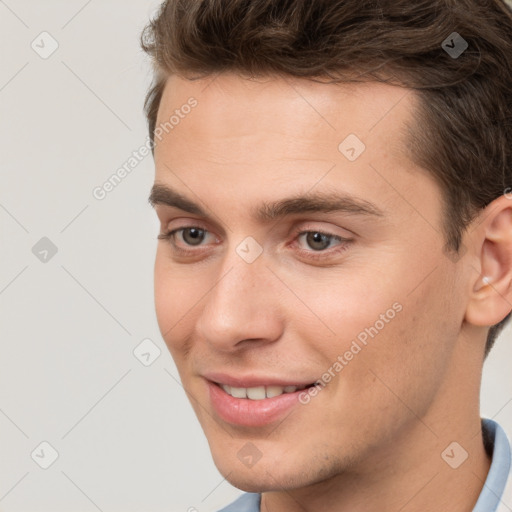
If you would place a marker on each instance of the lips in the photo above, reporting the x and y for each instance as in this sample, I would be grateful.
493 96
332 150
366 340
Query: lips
253 401
255 381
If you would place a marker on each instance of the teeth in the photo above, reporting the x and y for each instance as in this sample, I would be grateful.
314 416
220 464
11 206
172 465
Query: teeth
239 392
259 392
274 391
256 393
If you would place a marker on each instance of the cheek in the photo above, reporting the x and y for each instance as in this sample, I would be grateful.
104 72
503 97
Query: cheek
407 361
339 308
175 295
383 330
165 298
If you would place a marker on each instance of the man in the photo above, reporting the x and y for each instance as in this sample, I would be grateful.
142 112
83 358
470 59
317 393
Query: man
333 184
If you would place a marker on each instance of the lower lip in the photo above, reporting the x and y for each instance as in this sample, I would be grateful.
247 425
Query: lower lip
251 413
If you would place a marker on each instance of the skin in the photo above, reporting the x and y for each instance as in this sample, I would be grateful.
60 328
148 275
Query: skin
373 436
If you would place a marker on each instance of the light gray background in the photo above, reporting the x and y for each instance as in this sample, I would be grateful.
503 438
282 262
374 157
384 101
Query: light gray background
126 436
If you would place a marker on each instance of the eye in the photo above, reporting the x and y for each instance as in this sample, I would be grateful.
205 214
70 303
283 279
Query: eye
190 236
319 242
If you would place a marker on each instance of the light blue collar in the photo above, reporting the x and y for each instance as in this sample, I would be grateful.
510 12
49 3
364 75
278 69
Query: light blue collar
496 480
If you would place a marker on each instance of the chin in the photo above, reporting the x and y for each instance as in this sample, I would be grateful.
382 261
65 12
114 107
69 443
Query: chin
269 475
259 482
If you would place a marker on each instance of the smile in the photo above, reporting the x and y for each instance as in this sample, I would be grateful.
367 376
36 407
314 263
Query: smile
260 392
254 406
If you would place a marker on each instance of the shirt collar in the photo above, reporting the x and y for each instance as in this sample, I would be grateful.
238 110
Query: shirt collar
498 447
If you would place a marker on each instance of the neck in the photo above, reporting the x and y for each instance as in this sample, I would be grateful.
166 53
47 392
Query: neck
418 473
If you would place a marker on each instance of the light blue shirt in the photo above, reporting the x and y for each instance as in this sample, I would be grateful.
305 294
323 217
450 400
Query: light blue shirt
496 495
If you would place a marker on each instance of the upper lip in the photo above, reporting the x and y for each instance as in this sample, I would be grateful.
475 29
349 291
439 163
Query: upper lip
252 381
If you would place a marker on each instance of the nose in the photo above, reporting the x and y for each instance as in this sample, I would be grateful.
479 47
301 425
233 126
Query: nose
242 308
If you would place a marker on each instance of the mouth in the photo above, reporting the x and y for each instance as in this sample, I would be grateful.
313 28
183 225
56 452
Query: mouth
261 392
254 406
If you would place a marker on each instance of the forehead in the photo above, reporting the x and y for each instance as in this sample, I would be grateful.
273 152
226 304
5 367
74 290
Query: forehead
259 138
231 112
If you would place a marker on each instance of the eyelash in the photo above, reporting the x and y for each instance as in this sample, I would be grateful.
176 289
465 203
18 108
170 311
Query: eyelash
310 254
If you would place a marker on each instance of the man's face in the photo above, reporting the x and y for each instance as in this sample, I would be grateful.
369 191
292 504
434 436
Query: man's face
248 301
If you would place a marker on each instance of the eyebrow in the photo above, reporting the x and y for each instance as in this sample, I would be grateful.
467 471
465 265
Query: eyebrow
268 211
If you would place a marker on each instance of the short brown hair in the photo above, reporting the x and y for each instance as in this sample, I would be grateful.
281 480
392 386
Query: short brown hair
463 129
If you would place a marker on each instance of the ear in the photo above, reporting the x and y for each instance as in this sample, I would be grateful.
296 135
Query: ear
491 294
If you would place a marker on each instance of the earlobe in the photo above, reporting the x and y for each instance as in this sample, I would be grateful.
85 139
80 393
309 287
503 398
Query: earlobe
491 295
